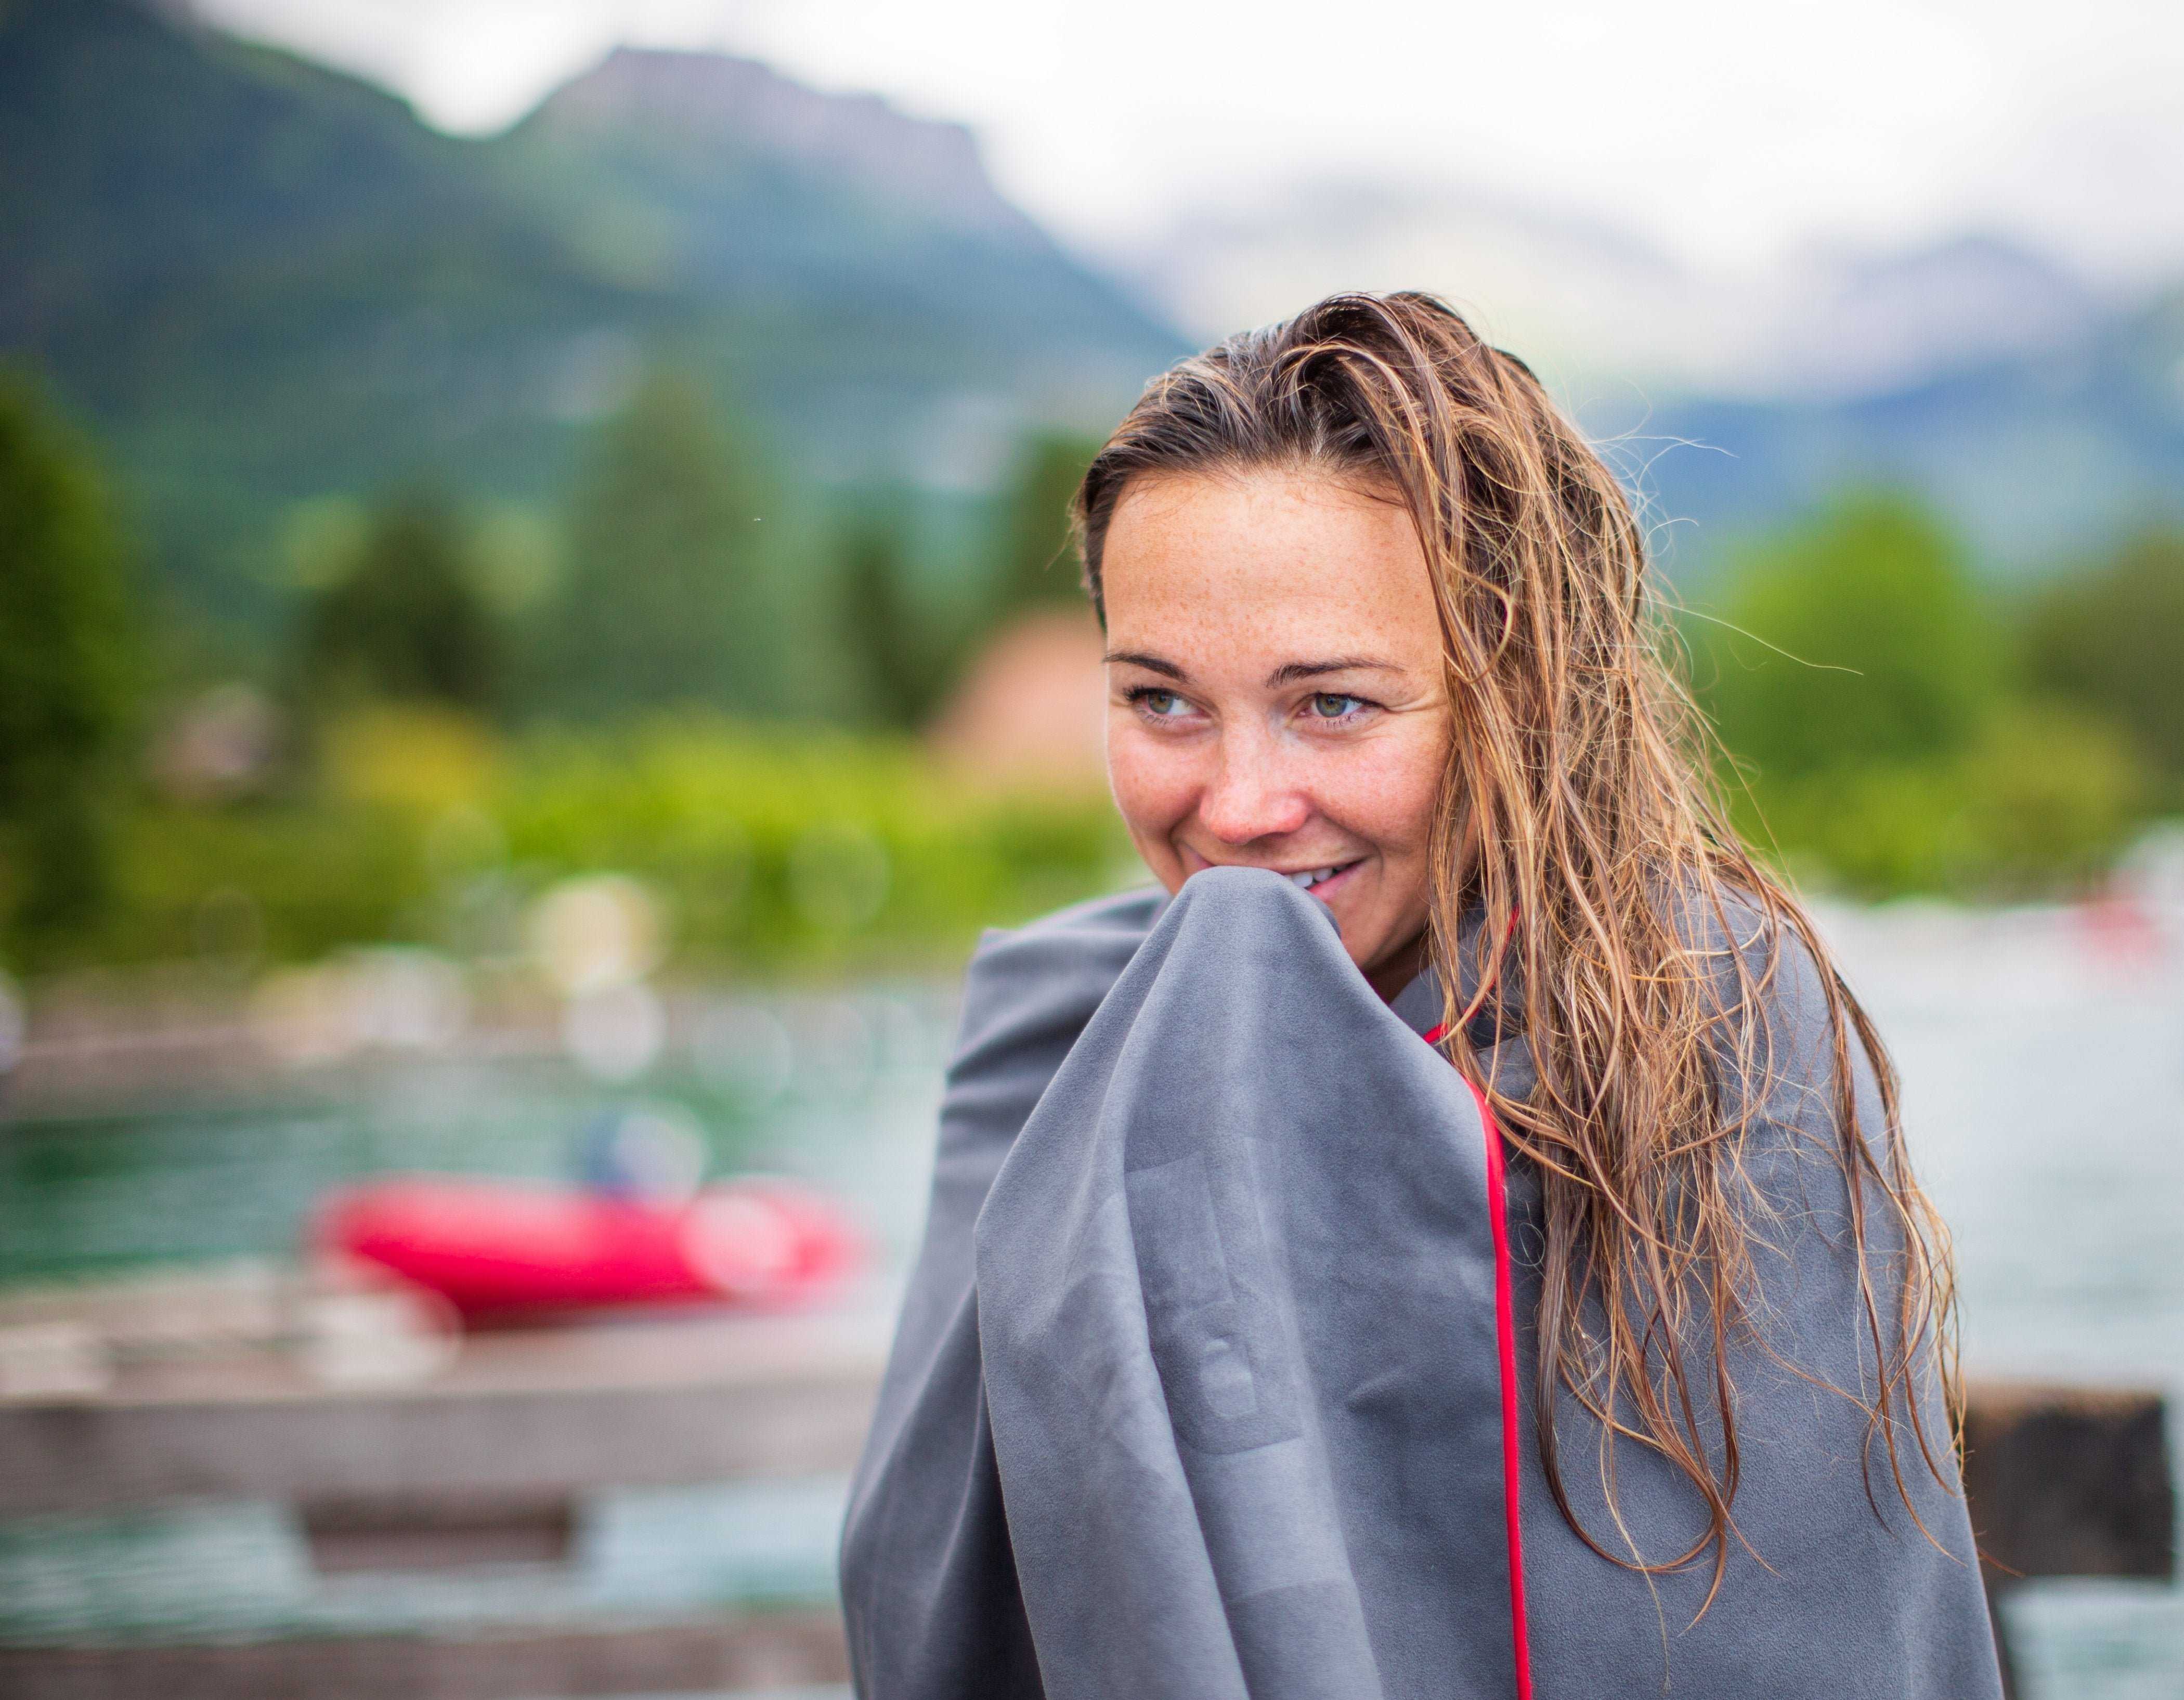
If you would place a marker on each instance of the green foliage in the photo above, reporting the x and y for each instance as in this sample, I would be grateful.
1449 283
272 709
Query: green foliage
781 850
1857 681
2112 639
907 651
69 671
403 619
1857 638
812 850
2051 795
787 853
2043 798
1036 562
311 877
662 604
902 660
265 280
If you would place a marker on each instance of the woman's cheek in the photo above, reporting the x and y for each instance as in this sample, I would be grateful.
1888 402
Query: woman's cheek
1152 789
1386 796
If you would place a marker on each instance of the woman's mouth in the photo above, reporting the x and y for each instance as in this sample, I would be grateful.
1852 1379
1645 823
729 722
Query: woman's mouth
1319 881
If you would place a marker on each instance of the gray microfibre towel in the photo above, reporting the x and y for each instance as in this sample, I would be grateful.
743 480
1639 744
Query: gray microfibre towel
1196 1392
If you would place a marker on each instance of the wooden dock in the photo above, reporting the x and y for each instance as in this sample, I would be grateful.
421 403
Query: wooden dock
720 1653
513 1418
479 1450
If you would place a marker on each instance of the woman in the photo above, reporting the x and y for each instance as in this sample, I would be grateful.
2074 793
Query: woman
1235 1361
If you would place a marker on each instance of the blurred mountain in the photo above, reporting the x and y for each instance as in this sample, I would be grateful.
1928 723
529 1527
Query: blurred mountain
264 281
1585 299
2041 454
1560 288
2040 410
682 115
835 250
1858 325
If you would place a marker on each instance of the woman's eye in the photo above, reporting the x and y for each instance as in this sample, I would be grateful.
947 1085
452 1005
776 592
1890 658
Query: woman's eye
1162 705
1327 706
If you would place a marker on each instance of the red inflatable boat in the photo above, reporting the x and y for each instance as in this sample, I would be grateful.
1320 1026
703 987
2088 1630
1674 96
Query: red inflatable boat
498 1248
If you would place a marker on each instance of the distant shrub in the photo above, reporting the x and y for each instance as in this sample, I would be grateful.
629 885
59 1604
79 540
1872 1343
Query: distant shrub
2112 639
777 851
1860 687
903 657
69 674
2043 801
813 848
663 606
2050 795
1860 637
411 758
1035 563
304 880
403 619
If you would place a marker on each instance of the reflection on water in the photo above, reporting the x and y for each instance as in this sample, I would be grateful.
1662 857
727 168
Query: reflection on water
836 1088
244 1572
2044 1061
2043 1057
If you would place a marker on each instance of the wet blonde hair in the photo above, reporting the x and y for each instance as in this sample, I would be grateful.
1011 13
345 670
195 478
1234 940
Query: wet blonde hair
1578 817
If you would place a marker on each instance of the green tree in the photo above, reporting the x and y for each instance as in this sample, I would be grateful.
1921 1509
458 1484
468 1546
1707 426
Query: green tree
901 659
69 666
2111 640
663 602
1036 562
1858 638
1858 677
405 620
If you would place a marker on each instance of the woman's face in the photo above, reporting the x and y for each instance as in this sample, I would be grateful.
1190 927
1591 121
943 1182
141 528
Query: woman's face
1275 696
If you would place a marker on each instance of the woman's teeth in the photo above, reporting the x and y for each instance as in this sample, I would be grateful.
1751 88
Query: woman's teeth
1312 876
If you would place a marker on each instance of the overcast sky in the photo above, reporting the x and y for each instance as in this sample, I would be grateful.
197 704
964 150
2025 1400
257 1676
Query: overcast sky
1726 130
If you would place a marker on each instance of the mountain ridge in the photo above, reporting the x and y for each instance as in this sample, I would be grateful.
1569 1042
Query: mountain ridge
264 281
2040 412
722 98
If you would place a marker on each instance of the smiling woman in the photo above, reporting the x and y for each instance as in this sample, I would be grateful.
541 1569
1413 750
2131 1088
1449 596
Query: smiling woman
1275 695
1599 1341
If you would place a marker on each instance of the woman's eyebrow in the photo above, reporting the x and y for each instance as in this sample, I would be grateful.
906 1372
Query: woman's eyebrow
1291 671
1152 664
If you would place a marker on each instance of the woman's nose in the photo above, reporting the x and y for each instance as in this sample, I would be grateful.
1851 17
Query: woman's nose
1250 794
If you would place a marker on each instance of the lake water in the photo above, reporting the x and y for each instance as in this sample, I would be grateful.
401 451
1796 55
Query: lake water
2043 1061
2043 1066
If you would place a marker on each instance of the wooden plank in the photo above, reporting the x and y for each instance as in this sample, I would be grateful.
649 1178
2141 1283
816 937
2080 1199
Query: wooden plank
754 1650
436 1532
2070 1481
2062 1481
531 1417
515 1445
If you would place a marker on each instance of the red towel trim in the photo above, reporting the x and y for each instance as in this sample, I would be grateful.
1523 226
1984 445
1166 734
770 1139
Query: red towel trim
1504 1331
